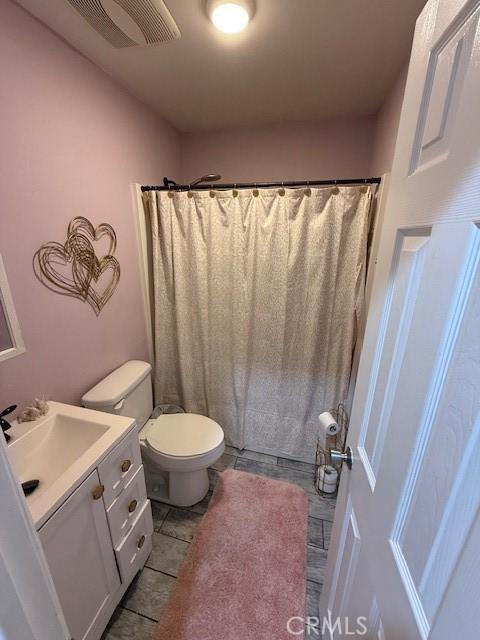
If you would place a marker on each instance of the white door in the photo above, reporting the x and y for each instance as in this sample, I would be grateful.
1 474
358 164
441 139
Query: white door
405 551
77 545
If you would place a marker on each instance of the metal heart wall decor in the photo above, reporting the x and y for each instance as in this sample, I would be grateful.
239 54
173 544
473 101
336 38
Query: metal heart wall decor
73 268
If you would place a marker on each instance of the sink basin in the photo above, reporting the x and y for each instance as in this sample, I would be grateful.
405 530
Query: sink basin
47 451
60 450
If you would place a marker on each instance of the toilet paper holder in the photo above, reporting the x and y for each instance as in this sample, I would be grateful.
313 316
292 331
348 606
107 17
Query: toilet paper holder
332 454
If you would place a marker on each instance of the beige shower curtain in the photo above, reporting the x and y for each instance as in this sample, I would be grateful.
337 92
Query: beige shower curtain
256 299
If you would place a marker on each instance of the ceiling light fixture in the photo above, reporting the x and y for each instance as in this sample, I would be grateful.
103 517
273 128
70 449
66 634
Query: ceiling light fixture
230 17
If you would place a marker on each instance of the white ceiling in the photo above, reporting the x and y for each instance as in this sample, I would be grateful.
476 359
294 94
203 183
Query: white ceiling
298 61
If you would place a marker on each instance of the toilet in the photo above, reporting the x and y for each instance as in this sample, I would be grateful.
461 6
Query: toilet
177 449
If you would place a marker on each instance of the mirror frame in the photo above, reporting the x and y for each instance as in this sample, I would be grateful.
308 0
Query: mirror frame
6 302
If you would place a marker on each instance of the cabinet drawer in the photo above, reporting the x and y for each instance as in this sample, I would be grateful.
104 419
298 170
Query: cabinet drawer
119 467
134 549
125 509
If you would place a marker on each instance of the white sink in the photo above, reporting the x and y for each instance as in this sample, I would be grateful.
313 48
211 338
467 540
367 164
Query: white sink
60 450
51 447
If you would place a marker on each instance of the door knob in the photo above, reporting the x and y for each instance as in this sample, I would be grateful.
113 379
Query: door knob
337 457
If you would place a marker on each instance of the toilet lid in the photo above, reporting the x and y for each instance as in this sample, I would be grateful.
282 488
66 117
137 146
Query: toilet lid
183 434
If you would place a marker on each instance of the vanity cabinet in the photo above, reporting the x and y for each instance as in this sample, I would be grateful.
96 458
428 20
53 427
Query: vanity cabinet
99 538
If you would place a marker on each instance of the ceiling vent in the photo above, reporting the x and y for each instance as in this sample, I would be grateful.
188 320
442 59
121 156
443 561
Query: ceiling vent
129 23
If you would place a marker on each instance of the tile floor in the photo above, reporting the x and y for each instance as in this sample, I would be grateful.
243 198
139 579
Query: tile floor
174 529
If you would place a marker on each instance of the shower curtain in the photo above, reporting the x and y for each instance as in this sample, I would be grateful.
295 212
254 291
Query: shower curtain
257 295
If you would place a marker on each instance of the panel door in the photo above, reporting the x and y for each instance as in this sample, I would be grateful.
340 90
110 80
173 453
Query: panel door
404 555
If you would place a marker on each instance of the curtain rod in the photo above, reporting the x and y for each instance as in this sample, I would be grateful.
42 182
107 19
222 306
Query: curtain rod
260 185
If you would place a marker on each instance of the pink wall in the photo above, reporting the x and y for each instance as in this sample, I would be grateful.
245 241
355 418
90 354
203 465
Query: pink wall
343 148
331 149
386 127
72 143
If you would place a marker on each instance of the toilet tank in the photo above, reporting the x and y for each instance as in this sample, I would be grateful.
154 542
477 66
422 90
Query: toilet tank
127 391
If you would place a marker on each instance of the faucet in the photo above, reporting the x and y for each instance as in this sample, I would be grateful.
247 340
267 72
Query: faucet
4 423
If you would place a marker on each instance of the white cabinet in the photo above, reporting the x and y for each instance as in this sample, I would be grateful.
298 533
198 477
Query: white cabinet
79 552
99 539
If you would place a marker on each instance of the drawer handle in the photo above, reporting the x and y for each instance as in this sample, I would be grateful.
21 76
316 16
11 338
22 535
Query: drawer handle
141 542
132 506
125 466
97 493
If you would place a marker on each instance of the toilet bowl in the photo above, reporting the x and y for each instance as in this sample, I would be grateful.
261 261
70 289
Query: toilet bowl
184 445
177 449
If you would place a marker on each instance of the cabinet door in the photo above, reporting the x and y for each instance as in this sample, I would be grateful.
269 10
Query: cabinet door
79 552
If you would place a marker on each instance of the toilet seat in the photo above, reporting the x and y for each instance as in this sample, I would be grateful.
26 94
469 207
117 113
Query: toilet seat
182 435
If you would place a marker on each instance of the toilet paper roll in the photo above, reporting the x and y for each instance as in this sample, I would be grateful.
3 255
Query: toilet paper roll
328 424
327 479
328 474
327 488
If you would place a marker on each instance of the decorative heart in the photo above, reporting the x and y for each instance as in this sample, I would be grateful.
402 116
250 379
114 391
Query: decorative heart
73 269
98 300
82 226
53 266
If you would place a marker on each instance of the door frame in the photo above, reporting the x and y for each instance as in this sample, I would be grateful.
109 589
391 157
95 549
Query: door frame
379 217
372 312
142 229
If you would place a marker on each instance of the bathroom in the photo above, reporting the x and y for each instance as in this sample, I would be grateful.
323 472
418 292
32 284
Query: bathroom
298 277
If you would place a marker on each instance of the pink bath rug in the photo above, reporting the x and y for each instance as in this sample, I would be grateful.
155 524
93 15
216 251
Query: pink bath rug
245 573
